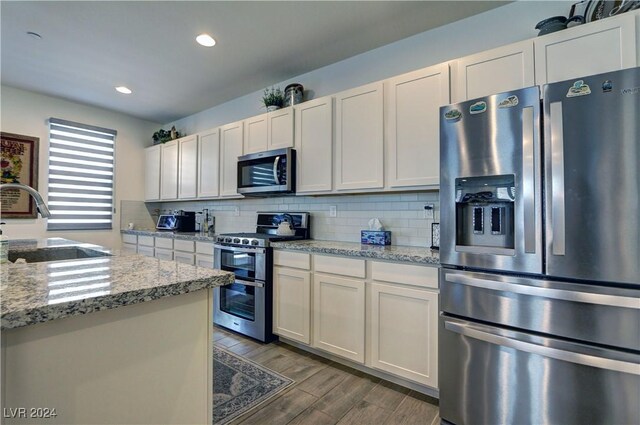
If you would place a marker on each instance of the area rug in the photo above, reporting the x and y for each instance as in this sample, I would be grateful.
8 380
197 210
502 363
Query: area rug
240 384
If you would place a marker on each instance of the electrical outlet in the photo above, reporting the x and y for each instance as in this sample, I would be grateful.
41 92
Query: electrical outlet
236 211
333 211
428 211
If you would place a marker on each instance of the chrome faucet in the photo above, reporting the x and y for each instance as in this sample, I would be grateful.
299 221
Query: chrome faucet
42 207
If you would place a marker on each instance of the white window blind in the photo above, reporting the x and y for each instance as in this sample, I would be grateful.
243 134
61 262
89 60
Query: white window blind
81 165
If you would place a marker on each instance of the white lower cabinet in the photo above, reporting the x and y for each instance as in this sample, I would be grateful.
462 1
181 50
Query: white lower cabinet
404 332
198 253
204 260
184 257
292 304
381 314
338 316
145 250
164 254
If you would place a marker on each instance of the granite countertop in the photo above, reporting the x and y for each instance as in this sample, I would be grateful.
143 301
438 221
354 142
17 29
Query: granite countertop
38 292
186 236
410 254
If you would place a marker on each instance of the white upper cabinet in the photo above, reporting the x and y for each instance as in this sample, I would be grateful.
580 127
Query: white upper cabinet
209 164
593 48
280 129
256 133
152 157
359 156
187 167
169 170
230 149
412 109
493 71
273 130
314 145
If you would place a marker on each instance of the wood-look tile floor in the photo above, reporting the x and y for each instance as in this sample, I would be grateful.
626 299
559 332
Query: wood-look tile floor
326 392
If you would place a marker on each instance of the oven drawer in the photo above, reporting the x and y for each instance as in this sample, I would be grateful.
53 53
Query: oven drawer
548 380
605 315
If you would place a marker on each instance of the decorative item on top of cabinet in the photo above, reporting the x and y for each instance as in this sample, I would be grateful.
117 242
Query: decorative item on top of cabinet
314 145
493 71
412 108
359 156
293 94
273 98
163 136
209 164
598 47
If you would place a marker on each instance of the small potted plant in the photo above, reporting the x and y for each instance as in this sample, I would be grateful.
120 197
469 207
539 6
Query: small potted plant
273 98
164 136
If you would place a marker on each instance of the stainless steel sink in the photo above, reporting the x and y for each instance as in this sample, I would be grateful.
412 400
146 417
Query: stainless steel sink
54 254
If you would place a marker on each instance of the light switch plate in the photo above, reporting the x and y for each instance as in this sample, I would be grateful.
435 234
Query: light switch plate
333 211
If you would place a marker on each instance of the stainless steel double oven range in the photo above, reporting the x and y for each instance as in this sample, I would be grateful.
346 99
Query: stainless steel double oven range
540 253
245 306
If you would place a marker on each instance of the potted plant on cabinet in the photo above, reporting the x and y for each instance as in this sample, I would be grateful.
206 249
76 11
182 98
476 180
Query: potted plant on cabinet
273 98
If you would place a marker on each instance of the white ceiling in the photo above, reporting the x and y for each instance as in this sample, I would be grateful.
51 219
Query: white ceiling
87 48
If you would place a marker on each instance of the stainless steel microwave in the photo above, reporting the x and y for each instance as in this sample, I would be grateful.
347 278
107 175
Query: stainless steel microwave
267 173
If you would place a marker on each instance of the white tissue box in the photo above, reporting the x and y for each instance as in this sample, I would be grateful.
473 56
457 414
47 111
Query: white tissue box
375 237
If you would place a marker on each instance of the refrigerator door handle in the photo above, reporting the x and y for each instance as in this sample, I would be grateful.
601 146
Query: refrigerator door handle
558 294
528 180
541 350
557 179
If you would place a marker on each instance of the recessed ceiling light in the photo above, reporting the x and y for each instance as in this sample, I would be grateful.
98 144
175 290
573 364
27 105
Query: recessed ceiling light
123 89
34 35
205 40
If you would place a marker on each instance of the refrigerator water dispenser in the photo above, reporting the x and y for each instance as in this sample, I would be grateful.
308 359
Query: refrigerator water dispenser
485 208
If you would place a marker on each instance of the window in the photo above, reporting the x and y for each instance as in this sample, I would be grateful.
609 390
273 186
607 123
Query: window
80 176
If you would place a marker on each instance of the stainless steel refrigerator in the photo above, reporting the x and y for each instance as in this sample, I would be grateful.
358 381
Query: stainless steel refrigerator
540 253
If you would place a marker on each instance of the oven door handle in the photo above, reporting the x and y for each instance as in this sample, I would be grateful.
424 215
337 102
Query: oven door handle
249 283
238 249
541 350
275 170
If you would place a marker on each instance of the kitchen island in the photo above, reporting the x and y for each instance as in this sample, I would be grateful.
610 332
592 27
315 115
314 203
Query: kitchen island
109 338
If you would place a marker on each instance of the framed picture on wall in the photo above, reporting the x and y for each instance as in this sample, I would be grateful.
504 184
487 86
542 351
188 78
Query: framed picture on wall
19 158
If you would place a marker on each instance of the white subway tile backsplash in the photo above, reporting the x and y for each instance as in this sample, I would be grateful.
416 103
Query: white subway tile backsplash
401 213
